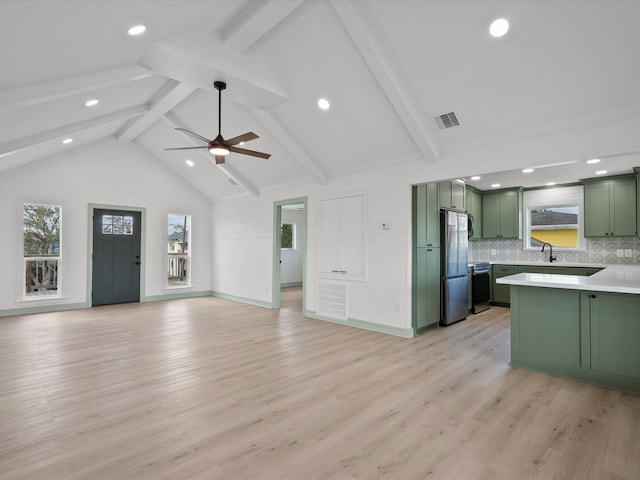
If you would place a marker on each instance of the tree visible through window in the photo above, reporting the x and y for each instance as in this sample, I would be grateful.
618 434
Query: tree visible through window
41 251
287 236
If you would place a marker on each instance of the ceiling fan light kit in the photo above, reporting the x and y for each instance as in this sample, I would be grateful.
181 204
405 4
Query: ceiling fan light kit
219 147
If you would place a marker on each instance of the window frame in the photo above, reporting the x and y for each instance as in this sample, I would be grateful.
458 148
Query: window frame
186 283
24 257
294 241
557 197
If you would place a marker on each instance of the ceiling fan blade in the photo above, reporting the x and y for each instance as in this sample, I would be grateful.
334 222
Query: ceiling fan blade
193 134
187 148
219 159
253 153
245 137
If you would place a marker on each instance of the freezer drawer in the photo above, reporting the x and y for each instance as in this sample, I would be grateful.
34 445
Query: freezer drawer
455 305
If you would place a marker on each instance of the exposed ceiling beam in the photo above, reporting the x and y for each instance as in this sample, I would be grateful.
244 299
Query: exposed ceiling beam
366 44
26 143
285 139
199 60
66 87
226 169
256 21
176 94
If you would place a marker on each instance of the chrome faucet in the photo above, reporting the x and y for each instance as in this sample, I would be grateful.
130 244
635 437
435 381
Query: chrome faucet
551 257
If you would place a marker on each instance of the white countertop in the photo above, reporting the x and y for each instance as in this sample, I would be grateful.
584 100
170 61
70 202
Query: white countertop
614 279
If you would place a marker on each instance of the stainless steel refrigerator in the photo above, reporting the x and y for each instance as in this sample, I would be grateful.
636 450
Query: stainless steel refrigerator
454 245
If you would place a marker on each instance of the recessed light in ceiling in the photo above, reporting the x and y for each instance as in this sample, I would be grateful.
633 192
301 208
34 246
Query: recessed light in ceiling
137 30
324 104
495 185
594 160
66 141
189 162
92 103
527 170
601 172
499 27
476 177
550 184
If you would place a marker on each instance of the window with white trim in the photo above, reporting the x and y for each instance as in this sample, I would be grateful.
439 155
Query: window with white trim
288 236
41 251
554 216
178 250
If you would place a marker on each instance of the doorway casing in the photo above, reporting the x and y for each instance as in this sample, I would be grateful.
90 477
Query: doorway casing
277 250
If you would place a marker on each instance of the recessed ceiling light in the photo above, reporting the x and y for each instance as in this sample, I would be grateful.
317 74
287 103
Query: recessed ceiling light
67 140
476 177
499 27
601 172
91 103
324 104
137 30
495 185
527 170
189 162
594 160
550 184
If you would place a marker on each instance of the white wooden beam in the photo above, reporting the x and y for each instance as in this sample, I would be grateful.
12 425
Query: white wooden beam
226 169
365 42
285 139
256 21
26 143
176 94
66 87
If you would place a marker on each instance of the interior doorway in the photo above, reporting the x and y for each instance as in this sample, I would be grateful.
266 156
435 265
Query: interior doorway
289 248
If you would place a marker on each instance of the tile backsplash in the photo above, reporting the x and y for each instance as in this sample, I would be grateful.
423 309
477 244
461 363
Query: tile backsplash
599 250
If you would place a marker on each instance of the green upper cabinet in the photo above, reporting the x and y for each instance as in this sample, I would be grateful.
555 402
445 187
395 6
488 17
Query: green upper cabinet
451 194
426 215
473 205
501 213
610 207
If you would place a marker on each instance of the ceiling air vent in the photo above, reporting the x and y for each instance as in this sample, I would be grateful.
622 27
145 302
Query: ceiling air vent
447 120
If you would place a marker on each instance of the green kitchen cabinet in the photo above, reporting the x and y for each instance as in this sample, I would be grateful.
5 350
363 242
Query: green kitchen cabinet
546 269
610 207
500 294
586 271
451 194
473 205
426 212
615 331
584 335
501 213
426 286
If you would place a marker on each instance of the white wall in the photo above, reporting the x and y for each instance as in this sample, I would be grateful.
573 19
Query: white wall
243 243
291 267
113 174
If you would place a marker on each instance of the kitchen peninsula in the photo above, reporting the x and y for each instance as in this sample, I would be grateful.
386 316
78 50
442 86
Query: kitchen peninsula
582 327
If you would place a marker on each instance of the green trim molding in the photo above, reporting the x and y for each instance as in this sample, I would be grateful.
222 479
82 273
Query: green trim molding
373 327
249 301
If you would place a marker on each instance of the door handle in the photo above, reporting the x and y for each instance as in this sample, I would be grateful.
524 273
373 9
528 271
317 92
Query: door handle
138 263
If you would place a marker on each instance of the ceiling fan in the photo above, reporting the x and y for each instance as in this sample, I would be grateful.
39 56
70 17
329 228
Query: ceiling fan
219 147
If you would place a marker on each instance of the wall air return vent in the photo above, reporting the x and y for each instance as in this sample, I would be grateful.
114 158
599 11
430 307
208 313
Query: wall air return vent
332 300
447 120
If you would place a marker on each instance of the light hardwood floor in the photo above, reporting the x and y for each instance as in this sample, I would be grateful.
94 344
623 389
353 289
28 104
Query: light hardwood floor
205 388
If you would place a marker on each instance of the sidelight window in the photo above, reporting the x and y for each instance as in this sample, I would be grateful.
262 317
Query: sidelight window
179 250
41 250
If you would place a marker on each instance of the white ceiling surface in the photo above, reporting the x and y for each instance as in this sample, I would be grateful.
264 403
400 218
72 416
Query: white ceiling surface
561 87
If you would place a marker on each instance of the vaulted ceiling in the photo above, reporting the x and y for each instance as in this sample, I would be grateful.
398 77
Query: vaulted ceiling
561 87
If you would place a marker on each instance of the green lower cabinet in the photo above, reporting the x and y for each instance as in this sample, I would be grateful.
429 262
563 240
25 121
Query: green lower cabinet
500 293
615 334
548 269
427 288
588 336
